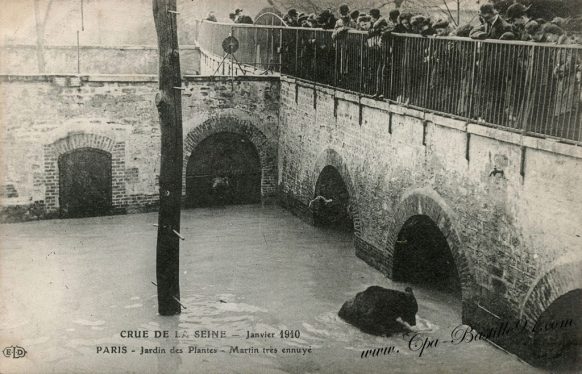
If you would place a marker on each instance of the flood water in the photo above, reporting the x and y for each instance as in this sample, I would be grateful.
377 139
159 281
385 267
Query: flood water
70 287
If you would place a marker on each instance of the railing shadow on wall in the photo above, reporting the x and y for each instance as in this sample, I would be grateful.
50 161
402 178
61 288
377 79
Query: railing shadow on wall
531 88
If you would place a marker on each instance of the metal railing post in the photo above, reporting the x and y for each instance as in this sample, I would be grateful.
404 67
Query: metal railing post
335 64
361 63
472 83
428 72
510 85
528 97
280 50
391 51
296 52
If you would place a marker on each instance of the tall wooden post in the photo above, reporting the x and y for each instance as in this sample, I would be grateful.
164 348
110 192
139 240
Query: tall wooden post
169 103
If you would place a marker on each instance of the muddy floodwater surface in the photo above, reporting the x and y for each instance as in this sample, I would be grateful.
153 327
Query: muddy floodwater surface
72 291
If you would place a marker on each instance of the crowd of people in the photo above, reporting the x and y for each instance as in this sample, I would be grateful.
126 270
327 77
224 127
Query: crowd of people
499 19
530 86
523 20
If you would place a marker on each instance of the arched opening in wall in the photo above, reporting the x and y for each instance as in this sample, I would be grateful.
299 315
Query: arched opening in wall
85 187
558 333
223 169
422 256
331 204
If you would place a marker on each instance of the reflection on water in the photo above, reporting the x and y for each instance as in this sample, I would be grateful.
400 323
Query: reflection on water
74 285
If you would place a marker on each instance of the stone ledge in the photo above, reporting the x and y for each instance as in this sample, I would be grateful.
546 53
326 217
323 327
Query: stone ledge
543 144
83 77
228 78
97 46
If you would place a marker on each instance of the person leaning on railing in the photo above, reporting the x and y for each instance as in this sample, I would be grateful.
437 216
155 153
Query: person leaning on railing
517 16
403 25
493 26
567 106
380 32
292 18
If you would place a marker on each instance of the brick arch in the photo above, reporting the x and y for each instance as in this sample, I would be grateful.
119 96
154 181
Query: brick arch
75 141
233 124
428 203
82 140
564 277
330 157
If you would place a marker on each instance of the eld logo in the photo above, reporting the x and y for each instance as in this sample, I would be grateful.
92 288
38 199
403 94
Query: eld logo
14 352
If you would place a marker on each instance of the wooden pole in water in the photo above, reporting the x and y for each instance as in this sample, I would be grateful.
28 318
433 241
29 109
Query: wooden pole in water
169 103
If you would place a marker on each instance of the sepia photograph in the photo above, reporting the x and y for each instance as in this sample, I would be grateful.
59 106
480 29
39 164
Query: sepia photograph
290 186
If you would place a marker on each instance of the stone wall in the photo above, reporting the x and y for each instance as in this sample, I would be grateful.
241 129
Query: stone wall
98 59
506 203
45 116
246 105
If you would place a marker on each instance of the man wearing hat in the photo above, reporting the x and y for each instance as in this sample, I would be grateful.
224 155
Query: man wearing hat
393 16
345 22
517 16
441 27
421 25
492 27
291 18
548 9
344 10
379 24
302 20
311 21
364 22
326 20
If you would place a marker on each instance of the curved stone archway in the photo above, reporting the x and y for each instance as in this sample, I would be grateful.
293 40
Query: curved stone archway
552 311
227 160
429 204
232 124
76 141
561 279
330 157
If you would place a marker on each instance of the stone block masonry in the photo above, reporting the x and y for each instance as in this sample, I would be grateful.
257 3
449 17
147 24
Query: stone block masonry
47 116
93 59
506 203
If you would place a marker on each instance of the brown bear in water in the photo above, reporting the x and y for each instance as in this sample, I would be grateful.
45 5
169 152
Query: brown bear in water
376 310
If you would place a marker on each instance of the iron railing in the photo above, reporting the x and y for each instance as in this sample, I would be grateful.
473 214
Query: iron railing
526 87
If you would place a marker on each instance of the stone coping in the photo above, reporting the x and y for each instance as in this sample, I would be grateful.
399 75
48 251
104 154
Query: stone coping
132 77
96 46
498 133
228 78
81 77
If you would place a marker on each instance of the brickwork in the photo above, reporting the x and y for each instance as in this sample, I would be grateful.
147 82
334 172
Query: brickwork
95 59
507 204
248 106
74 141
232 124
500 199
49 115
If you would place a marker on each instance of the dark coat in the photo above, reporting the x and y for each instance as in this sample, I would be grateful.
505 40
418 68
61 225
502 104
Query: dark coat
491 30
399 28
